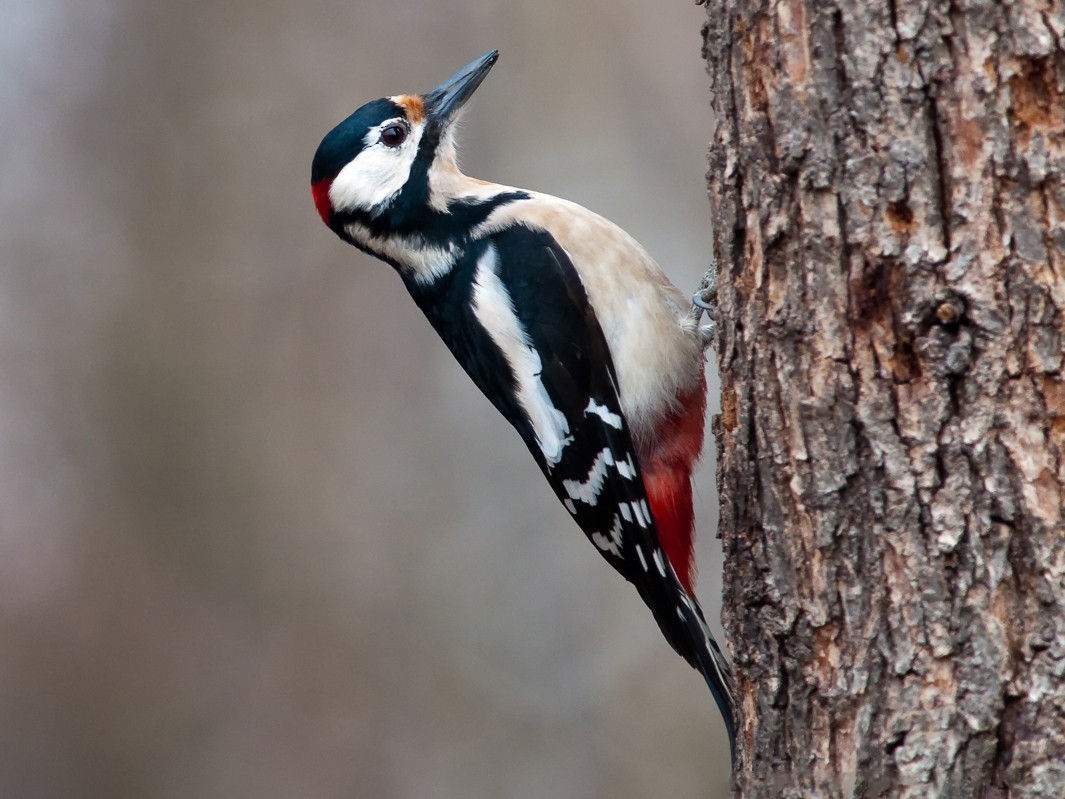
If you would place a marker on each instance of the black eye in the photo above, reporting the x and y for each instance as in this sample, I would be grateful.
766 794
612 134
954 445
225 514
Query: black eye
394 135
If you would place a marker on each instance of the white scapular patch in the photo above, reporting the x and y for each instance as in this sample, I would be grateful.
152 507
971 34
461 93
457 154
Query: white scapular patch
656 359
494 309
378 173
604 413
588 490
659 563
611 544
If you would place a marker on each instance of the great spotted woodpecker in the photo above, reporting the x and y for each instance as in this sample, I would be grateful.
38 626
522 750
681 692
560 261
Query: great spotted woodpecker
563 321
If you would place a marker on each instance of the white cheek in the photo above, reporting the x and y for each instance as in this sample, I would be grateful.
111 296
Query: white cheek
376 175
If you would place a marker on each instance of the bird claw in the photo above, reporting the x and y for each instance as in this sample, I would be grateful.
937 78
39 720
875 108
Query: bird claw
704 301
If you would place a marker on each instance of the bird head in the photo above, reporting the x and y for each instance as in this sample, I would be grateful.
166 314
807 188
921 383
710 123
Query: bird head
392 155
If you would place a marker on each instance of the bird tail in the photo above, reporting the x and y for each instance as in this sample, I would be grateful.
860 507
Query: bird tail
681 620
711 663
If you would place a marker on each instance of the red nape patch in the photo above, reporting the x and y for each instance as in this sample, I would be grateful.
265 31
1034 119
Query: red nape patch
320 190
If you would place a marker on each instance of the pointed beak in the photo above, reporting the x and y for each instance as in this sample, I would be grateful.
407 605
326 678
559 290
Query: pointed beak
443 102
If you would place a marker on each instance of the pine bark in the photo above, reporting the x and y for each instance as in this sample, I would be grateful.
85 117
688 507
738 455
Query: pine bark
887 184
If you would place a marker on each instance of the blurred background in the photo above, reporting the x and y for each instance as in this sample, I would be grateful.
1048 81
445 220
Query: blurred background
259 535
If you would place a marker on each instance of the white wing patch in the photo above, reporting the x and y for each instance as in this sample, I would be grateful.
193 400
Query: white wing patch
494 309
659 562
626 468
604 413
588 490
642 517
611 544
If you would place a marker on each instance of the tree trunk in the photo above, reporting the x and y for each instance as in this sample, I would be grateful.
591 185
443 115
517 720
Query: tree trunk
888 192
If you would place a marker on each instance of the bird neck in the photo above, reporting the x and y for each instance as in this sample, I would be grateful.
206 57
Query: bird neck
424 241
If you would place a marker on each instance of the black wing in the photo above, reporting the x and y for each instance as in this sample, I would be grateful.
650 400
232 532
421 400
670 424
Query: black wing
555 383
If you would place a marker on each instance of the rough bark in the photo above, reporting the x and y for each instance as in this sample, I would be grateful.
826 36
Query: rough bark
888 193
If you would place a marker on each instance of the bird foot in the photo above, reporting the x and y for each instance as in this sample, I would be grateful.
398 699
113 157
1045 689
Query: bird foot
704 301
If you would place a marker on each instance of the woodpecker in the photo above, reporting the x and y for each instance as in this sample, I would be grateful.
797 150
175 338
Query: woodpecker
563 321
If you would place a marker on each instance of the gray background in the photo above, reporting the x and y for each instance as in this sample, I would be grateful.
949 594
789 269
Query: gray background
259 535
